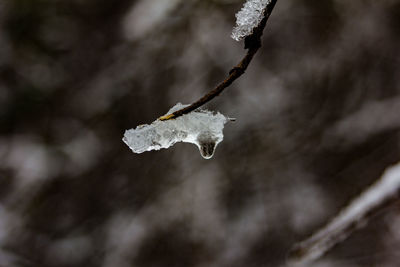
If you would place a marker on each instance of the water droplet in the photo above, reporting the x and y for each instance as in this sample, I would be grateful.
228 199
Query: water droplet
207 150
207 143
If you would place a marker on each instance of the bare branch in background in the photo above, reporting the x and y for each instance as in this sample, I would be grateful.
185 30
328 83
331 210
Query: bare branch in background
381 194
252 43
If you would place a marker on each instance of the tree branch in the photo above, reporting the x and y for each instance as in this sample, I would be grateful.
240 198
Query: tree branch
383 193
252 43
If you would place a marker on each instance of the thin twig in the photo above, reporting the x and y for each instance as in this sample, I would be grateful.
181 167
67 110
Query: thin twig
252 43
381 194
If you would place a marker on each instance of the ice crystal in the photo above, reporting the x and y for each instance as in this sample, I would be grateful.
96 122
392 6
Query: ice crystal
248 18
200 127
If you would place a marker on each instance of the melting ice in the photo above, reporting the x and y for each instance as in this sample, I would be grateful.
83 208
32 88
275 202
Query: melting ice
200 127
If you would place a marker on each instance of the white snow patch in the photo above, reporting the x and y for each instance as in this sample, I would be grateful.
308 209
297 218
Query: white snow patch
248 18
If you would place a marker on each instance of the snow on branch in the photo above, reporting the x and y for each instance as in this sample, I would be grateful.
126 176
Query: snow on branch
248 18
200 127
382 193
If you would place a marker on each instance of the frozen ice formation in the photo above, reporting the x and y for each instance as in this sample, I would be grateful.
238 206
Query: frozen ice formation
248 18
200 127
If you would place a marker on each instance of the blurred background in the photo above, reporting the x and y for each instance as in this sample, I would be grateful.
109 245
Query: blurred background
317 122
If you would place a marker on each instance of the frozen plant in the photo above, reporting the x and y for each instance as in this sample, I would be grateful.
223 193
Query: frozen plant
248 18
200 127
189 123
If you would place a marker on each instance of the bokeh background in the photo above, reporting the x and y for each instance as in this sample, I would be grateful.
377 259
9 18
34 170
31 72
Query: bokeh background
318 119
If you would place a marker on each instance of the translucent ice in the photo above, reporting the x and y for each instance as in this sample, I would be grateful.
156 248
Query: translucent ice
200 127
248 18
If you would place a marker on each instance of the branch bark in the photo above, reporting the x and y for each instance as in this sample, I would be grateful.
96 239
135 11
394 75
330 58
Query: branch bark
252 43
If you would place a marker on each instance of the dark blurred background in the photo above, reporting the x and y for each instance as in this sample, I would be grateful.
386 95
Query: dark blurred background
317 122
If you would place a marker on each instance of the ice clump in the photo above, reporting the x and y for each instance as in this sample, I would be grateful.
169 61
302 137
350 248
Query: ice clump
200 127
248 18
